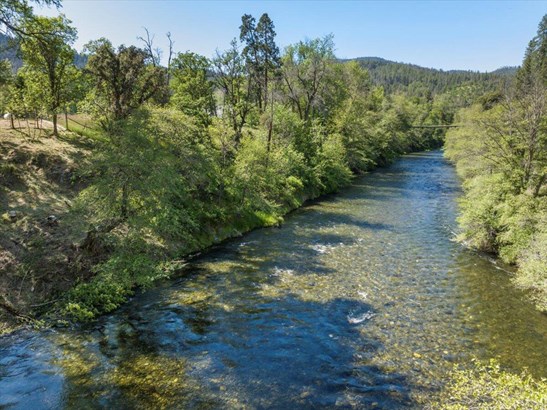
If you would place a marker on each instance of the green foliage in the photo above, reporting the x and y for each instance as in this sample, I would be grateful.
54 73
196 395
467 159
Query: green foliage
49 62
487 386
123 80
88 300
13 13
204 150
6 78
261 56
5 72
534 66
518 217
192 90
305 66
532 274
479 211
231 74
180 179
501 152
331 168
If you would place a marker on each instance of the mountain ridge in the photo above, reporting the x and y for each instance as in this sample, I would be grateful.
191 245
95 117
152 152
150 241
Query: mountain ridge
393 76
378 61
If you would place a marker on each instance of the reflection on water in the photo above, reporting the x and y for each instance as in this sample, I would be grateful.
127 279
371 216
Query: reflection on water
359 300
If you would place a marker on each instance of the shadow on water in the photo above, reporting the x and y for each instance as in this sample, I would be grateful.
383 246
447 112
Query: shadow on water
357 301
496 316
358 222
280 354
245 326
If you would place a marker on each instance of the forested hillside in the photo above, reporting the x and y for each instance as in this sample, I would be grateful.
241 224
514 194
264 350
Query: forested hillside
9 50
399 77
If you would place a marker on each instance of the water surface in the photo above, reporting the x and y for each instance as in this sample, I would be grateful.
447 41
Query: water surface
359 300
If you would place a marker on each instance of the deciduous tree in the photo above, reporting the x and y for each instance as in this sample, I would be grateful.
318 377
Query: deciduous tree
305 67
50 58
124 79
231 77
192 89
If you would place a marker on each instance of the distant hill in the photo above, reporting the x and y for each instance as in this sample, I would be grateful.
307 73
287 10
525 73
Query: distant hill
9 50
506 71
395 76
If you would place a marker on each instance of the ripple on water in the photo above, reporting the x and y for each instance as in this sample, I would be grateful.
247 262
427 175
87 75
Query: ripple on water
359 300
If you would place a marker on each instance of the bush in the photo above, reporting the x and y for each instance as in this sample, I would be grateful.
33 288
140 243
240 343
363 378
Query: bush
487 386
89 300
532 274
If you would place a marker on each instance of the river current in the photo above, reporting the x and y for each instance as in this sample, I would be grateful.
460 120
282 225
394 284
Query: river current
359 300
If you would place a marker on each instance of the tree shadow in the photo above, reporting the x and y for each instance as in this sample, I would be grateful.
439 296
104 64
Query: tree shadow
237 329
283 353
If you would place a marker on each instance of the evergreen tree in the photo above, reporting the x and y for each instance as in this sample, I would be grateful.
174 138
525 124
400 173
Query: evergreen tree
534 66
251 54
268 52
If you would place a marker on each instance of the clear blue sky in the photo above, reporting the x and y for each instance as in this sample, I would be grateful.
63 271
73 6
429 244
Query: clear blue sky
449 35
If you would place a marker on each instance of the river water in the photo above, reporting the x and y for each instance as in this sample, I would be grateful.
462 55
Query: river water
359 300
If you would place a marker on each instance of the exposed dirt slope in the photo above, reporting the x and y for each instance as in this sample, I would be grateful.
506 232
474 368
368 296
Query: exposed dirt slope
39 254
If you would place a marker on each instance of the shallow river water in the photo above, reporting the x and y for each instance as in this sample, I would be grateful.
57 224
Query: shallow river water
359 300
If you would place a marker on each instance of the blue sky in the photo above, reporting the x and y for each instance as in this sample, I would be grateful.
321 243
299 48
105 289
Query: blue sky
470 35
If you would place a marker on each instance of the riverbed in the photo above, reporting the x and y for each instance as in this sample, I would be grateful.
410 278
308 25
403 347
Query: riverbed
362 299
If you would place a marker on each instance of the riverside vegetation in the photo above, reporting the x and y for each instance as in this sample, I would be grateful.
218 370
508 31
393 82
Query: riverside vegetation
500 151
180 157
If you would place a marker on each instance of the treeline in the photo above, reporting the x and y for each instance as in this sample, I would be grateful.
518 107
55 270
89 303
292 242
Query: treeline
413 79
9 50
501 153
200 149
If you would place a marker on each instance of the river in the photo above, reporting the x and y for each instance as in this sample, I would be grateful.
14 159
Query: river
361 299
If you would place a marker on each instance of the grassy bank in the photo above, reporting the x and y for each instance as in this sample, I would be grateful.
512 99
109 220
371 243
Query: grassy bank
47 262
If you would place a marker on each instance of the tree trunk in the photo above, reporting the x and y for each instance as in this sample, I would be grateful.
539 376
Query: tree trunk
55 132
124 210
266 88
539 185
66 119
11 122
270 126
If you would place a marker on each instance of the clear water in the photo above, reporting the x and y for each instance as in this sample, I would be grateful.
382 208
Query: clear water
359 300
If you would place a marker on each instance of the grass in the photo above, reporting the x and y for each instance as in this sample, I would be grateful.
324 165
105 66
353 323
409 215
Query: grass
486 386
81 124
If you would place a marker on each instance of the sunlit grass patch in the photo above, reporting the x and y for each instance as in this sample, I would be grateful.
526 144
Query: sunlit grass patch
487 386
